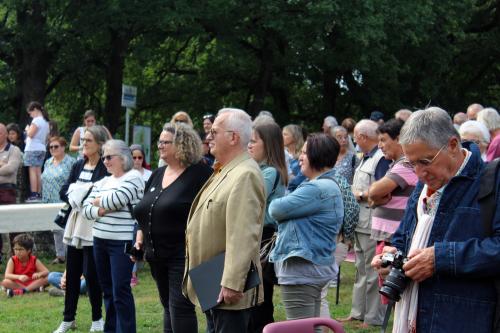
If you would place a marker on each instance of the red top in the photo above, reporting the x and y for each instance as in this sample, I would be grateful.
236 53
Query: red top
28 269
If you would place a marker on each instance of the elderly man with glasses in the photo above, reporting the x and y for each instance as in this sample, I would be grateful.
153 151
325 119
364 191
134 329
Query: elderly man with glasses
453 251
227 215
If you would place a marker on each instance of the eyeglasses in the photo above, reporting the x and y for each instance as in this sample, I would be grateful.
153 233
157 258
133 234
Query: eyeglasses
107 157
54 147
87 140
213 132
164 142
425 162
137 157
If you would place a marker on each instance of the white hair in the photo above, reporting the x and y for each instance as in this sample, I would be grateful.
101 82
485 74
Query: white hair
490 118
239 121
432 126
331 121
123 151
368 128
476 128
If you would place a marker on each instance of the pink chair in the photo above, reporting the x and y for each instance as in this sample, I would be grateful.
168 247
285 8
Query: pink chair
303 326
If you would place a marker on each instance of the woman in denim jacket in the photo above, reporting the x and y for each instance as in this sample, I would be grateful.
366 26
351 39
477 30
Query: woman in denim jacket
308 222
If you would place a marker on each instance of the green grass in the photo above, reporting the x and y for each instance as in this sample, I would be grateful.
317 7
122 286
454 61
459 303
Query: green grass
39 312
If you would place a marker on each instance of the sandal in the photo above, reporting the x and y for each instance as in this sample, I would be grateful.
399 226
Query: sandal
58 260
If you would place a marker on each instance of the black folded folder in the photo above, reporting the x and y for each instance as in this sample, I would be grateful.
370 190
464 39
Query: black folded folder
206 279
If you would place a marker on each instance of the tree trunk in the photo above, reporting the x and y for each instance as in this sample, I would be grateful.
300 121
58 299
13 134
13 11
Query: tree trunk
33 57
113 111
261 87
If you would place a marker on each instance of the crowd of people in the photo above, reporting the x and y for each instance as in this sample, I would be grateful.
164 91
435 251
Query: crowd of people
276 201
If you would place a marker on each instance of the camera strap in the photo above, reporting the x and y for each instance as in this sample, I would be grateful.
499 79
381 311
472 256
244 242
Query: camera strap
387 316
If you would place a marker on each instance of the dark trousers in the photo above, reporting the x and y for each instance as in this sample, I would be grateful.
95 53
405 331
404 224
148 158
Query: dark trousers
114 272
179 315
7 197
78 262
262 314
227 321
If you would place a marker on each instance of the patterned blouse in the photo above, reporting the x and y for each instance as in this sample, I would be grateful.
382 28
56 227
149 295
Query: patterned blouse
54 177
347 166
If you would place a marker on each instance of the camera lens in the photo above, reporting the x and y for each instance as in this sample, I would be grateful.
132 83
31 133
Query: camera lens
394 285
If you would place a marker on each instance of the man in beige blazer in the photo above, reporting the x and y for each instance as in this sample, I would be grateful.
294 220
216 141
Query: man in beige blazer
227 215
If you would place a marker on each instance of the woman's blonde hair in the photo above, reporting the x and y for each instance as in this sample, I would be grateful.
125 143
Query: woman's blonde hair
298 137
187 142
181 117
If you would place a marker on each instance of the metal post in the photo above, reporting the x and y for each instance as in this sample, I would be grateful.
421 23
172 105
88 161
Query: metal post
127 125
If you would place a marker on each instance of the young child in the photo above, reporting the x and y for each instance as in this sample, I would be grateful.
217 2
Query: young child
24 271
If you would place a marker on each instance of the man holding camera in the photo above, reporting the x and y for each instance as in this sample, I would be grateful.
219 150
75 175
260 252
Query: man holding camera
453 256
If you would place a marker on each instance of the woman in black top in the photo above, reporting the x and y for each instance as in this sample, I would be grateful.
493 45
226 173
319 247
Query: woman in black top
80 255
162 215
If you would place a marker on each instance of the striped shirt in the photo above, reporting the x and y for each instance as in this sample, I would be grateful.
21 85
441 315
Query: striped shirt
386 218
117 196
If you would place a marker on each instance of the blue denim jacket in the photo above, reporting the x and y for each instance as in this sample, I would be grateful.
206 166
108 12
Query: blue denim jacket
309 219
460 296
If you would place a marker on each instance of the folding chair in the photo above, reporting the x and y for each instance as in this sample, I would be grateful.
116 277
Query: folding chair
303 326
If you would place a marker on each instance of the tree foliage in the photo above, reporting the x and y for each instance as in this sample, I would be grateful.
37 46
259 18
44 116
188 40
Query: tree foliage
299 59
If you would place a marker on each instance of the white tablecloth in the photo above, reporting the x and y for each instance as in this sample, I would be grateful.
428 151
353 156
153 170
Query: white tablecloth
28 217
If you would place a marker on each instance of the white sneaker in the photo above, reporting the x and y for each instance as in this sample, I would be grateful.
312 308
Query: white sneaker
66 326
97 326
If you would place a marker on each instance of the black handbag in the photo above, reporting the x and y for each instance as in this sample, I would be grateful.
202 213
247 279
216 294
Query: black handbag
62 216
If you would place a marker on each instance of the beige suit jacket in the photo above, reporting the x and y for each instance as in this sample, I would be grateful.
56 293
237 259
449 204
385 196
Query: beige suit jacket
227 215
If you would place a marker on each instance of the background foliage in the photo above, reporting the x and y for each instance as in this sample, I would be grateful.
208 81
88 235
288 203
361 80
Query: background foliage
300 59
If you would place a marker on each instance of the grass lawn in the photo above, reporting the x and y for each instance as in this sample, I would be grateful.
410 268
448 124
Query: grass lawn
39 312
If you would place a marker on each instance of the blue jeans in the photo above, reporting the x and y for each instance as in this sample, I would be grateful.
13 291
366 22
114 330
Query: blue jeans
55 280
114 269
179 314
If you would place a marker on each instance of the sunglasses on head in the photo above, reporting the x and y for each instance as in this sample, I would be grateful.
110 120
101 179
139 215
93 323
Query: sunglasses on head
207 116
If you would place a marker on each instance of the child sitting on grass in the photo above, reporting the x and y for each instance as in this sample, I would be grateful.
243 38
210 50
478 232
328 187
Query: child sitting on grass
24 272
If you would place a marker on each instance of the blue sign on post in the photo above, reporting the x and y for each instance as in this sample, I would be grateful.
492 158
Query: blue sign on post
129 96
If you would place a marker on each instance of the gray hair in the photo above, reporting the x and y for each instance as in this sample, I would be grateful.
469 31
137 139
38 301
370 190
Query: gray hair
490 118
334 130
432 126
367 127
99 134
238 121
121 149
331 121
263 119
475 127
403 114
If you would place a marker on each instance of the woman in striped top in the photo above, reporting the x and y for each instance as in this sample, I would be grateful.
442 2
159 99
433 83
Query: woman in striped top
110 205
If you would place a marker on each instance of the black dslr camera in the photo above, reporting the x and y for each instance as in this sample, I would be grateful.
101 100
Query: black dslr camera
395 282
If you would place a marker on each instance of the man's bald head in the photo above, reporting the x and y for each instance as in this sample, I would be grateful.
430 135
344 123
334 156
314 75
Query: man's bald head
459 118
473 110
